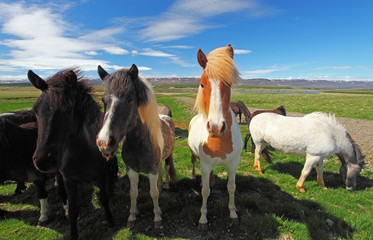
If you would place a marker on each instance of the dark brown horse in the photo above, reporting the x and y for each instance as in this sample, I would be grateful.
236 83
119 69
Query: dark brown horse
17 145
240 108
68 122
265 153
131 111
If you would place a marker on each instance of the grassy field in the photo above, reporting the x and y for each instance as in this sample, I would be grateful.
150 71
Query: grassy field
269 206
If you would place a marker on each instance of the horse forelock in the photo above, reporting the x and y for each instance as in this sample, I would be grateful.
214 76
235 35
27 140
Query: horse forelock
62 95
220 66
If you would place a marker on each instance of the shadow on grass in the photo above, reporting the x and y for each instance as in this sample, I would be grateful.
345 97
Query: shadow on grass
263 209
331 179
181 133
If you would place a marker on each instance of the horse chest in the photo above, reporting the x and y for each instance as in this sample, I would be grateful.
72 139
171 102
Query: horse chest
204 146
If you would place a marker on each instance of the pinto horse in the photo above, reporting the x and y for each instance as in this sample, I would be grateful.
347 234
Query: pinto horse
68 121
214 134
17 145
131 112
316 136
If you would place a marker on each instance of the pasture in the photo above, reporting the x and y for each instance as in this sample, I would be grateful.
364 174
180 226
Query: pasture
269 206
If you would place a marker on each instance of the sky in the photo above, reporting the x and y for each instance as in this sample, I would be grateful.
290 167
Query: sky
288 39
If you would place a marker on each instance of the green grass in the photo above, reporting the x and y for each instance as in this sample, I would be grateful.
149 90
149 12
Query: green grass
269 205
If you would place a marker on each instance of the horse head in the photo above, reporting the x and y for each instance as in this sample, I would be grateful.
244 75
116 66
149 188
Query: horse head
125 101
54 110
213 98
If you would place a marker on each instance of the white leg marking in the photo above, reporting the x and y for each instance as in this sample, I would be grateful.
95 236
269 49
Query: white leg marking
154 193
43 209
134 182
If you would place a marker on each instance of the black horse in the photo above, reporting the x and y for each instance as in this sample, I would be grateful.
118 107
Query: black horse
17 146
68 121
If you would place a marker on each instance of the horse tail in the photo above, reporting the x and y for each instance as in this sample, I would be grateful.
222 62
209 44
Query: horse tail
282 110
172 172
267 154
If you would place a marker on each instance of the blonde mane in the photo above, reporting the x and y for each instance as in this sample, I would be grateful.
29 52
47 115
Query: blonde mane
219 66
149 116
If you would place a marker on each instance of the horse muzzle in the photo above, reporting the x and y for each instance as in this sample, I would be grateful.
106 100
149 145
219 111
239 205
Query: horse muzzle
106 147
46 163
216 130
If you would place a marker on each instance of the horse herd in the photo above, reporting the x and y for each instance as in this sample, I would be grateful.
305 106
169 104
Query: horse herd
67 136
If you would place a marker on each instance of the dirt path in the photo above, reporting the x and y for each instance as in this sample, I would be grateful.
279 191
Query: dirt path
360 130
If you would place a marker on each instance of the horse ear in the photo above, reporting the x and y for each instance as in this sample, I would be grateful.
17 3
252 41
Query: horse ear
201 57
134 72
71 79
37 81
101 72
230 50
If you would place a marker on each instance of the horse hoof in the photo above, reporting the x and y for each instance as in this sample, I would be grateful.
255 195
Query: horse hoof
301 189
157 224
235 221
325 188
130 224
202 226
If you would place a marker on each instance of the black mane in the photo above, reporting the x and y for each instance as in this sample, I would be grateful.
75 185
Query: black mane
65 96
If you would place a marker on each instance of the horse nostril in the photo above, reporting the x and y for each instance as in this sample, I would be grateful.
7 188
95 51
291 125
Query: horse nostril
49 155
223 127
111 141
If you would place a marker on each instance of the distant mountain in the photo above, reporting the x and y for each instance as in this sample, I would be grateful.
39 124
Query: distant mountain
258 82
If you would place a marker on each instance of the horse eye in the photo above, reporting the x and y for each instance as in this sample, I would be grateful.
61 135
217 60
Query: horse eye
202 85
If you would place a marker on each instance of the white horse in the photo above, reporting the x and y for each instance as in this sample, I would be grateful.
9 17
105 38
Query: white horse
214 134
316 136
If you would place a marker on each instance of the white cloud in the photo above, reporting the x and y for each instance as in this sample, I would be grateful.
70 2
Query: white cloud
154 53
39 38
92 53
261 72
242 51
115 50
188 17
334 67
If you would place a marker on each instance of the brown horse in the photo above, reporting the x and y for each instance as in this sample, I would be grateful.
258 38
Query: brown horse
131 111
240 108
265 153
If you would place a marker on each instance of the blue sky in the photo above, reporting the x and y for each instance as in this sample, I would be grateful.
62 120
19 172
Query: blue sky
292 39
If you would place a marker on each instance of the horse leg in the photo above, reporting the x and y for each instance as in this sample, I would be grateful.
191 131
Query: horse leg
193 160
43 198
20 187
231 186
239 114
104 200
320 177
134 192
310 162
258 150
160 176
247 137
205 170
62 193
154 193
71 190
167 172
